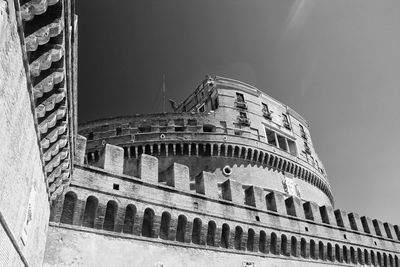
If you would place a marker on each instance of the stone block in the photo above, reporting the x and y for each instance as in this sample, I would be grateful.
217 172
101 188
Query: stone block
389 230
294 207
148 168
342 219
276 202
378 226
80 149
254 196
177 175
112 159
355 221
206 184
232 191
312 212
327 214
366 224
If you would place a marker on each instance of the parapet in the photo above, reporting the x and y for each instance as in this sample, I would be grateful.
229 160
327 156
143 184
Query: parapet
176 177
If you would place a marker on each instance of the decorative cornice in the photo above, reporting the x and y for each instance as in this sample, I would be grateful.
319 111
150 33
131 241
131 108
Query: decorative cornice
48 49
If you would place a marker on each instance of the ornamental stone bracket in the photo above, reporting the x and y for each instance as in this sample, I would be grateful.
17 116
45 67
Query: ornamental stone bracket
48 34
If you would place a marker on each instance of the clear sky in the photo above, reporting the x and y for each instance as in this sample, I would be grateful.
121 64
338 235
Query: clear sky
337 63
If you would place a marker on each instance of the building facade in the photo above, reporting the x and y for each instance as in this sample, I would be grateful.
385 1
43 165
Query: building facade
230 178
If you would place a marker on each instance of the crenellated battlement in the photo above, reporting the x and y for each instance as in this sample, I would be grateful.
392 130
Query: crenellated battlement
205 183
240 216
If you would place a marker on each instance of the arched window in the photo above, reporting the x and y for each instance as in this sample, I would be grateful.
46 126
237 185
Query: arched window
211 233
303 248
379 258
313 255
67 214
321 250
366 257
353 255
273 243
130 213
225 236
250 239
109 218
345 255
337 253
396 261
391 263
330 252
148 221
262 242
238 237
360 256
165 223
385 260
293 247
196 231
90 211
181 228
373 261
284 245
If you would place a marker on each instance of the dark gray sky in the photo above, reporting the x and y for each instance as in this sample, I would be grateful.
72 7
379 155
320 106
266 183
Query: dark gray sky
337 63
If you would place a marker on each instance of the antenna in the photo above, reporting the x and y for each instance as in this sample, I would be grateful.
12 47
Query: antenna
163 88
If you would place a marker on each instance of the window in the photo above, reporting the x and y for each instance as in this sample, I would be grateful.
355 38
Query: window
270 137
239 97
303 133
265 108
307 148
292 147
148 221
266 112
110 216
116 186
90 136
144 129
209 128
119 131
285 121
282 142
215 103
243 115
68 208
201 108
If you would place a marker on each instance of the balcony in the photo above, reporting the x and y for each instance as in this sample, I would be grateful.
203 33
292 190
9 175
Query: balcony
244 121
241 105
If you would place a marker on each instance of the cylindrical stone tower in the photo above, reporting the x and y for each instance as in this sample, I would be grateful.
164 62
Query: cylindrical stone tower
226 127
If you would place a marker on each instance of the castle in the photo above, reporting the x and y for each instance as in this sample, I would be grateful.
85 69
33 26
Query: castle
230 178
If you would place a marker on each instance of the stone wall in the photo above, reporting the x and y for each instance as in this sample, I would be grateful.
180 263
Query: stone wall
65 249
202 219
24 206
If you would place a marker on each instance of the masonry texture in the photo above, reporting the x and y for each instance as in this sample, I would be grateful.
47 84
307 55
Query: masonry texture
231 178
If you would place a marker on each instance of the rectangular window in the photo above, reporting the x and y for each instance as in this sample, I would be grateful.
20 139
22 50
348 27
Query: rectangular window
239 97
243 115
119 131
282 142
201 108
265 108
270 137
292 147
302 132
